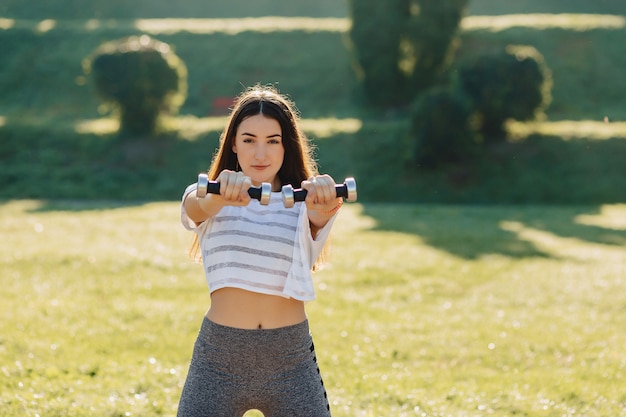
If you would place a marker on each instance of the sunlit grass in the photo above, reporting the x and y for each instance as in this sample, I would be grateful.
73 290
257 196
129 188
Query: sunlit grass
566 21
424 310
235 26
6 24
610 217
571 129
191 127
232 26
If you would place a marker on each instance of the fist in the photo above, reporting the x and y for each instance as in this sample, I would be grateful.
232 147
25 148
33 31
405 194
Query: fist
234 187
321 194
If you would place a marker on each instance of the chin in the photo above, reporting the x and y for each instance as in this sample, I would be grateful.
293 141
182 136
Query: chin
259 180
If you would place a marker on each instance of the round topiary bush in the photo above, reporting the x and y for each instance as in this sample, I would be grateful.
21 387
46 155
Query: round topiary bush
441 128
142 78
513 84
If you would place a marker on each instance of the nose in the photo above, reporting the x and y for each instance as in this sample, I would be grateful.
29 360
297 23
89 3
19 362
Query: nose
260 151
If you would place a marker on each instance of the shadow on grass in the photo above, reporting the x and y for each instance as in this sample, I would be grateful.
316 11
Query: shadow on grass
83 205
515 200
471 232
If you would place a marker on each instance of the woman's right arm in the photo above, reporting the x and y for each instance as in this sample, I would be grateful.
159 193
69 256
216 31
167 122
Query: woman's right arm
199 209
233 192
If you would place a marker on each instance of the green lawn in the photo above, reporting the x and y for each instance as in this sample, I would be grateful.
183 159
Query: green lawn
425 310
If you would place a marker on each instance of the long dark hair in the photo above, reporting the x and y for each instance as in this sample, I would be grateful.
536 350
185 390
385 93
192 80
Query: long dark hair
298 163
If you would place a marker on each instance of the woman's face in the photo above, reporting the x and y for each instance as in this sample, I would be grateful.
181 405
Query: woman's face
259 148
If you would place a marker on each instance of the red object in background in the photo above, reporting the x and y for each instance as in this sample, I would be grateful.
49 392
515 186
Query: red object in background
220 106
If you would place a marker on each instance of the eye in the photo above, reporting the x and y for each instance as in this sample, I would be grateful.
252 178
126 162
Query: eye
274 141
248 140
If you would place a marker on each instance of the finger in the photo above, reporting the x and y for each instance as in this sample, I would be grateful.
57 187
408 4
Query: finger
326 192
237 186
311 194
245 186
225 185
222 178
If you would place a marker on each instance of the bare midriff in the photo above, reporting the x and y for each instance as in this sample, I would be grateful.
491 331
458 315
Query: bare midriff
234 307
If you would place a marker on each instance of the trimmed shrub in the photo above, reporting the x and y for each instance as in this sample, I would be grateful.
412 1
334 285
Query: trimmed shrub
441 128
432 34
514 84
376 31
402 47
142 78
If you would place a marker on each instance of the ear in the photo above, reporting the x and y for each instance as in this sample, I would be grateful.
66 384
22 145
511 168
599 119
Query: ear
234 148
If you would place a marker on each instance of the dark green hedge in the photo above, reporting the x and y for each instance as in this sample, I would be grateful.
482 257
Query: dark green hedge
124 9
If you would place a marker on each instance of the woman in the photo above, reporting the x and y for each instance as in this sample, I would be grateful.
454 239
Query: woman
254 349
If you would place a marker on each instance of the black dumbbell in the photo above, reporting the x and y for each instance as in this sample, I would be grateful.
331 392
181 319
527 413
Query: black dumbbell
261 193
346 190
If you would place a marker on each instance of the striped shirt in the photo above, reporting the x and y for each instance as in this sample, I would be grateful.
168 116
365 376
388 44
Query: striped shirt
264 249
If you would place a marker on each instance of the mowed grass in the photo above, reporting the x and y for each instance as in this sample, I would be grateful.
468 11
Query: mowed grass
424 310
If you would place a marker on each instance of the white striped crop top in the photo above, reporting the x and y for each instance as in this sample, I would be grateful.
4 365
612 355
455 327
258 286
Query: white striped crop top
264 249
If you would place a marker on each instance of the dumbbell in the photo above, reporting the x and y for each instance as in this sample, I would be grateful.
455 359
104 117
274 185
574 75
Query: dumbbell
261 193
346 190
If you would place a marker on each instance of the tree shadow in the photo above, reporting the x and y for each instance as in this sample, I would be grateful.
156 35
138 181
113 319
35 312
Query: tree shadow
471 232
45 206
540 185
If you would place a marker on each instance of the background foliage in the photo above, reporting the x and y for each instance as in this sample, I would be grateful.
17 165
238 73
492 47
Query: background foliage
141 78
49 114
402 47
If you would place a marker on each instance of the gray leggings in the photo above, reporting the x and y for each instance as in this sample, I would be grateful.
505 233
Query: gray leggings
235 370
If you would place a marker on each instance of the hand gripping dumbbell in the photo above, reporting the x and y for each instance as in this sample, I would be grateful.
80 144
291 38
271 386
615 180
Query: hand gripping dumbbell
346 190
261 193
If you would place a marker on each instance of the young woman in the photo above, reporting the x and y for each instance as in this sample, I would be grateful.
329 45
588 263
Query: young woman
254 349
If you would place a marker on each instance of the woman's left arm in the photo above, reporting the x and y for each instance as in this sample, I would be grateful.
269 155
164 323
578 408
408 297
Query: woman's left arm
321 201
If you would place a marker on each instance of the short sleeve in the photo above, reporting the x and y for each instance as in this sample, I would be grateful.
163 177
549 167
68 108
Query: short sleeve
299 282
317 245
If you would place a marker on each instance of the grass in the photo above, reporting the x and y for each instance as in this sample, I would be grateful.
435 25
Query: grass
576 22
425 310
